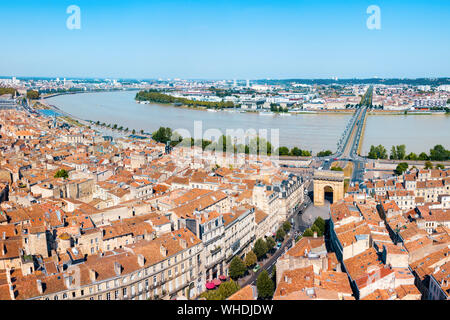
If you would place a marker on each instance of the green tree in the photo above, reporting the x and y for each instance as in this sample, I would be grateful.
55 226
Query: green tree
325 153
393 153
401 152
308 233
306 153
32 94
226 289
428 165
438 153
237 268
250 259
372 153
155 96
211 295
260 248
280 234
296 152
412 156
317 230
286 226
382 153
423 156
274 274
336 169
401 168
62 174
270 243
377 152
265 285
320 224
10 91
440 166
162 135
283 151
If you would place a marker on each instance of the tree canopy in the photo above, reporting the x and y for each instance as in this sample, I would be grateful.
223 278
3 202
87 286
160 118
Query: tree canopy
439 153
377 152
237 268
225 290
162 135
32 94
260 248
250 259
325 153
270 243
401 168
265 285
154 96
10 91
62 174
280 234
428 165
287 226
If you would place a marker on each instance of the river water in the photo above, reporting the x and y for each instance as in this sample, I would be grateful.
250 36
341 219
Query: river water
419 132
314 132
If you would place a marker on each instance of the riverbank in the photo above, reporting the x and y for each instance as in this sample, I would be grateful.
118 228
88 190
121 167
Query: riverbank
51 95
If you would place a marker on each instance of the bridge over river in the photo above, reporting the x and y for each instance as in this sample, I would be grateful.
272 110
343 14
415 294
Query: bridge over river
349 143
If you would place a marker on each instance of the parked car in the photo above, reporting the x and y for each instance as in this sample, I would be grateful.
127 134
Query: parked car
256 268
279 244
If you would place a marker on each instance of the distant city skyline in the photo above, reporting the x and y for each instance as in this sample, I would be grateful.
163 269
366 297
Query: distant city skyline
226 40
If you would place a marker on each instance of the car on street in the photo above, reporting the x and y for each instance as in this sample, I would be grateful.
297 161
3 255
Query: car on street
256 268
279 244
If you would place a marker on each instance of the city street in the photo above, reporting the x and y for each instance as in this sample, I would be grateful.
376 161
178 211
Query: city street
304 217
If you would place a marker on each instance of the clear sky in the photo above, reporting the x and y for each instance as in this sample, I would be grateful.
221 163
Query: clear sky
225 39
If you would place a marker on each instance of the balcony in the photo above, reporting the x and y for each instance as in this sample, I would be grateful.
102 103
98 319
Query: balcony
215 250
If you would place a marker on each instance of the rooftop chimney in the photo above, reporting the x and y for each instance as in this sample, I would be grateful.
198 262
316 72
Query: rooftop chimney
4 235
12 294
287 279
141 260
68 281
183 243
163 251
117 268
4 249
39 286
92 275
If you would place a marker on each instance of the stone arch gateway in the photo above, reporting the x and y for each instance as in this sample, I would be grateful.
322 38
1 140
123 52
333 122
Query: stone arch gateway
328 180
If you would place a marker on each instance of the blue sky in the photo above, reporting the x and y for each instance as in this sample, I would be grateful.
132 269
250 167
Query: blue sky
225 39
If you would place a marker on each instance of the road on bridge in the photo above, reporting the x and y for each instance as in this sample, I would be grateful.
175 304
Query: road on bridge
349 143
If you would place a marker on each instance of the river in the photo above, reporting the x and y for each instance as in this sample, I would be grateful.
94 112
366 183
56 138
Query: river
314 132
